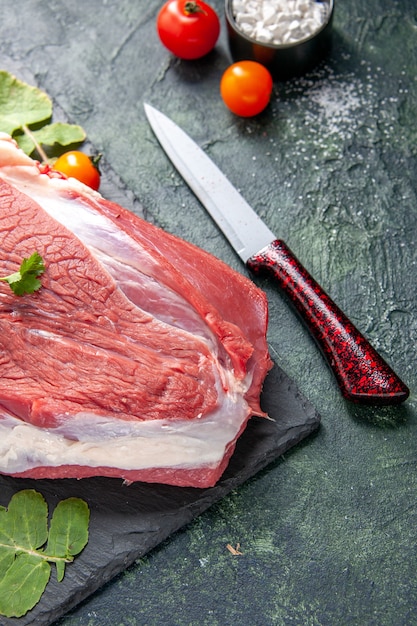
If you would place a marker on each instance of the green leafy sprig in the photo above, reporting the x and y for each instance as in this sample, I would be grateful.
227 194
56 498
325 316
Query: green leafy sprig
26 114
28 547
26 280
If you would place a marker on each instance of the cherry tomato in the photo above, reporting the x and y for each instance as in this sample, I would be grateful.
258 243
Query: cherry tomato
246 88
76 164
189 29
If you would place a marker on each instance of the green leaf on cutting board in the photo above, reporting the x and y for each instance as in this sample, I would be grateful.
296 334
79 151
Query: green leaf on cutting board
25 114
68 533
28 547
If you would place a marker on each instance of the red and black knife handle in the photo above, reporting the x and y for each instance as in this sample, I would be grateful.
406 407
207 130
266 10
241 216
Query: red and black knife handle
362 374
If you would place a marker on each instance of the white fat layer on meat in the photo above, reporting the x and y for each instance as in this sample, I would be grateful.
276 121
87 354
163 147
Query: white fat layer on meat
100 441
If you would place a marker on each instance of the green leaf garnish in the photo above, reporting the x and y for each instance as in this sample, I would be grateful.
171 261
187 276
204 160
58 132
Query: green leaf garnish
67 537
27 548
26 279
49 135
21 104
25 114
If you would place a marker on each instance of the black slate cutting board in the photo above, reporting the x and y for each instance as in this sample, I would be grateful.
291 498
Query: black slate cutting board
128 521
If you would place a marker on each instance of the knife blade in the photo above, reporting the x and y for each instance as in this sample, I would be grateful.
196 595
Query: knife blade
362 374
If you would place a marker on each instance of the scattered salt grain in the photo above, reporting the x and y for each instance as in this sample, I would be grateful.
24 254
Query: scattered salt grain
279 21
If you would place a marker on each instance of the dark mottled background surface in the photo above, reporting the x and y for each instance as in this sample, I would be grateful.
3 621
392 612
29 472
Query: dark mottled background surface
328 533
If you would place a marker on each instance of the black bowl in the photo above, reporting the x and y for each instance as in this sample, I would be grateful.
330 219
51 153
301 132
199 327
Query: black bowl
284 61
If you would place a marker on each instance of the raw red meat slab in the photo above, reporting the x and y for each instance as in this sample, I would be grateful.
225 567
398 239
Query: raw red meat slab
141 356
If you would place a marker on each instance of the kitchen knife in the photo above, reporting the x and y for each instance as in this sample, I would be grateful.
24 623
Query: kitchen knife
363 375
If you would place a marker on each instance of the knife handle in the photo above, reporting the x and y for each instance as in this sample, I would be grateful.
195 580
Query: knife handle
362 374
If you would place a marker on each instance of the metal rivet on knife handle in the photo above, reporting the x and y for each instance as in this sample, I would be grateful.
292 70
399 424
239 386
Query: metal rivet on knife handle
363 375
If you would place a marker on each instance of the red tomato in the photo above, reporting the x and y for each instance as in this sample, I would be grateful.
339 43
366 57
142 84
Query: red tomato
79 165
189 29
246 88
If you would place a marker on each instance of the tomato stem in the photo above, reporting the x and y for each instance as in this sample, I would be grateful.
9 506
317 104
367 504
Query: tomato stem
95 160
192 7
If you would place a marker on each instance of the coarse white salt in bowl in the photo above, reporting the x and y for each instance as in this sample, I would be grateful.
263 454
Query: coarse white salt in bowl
289 37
